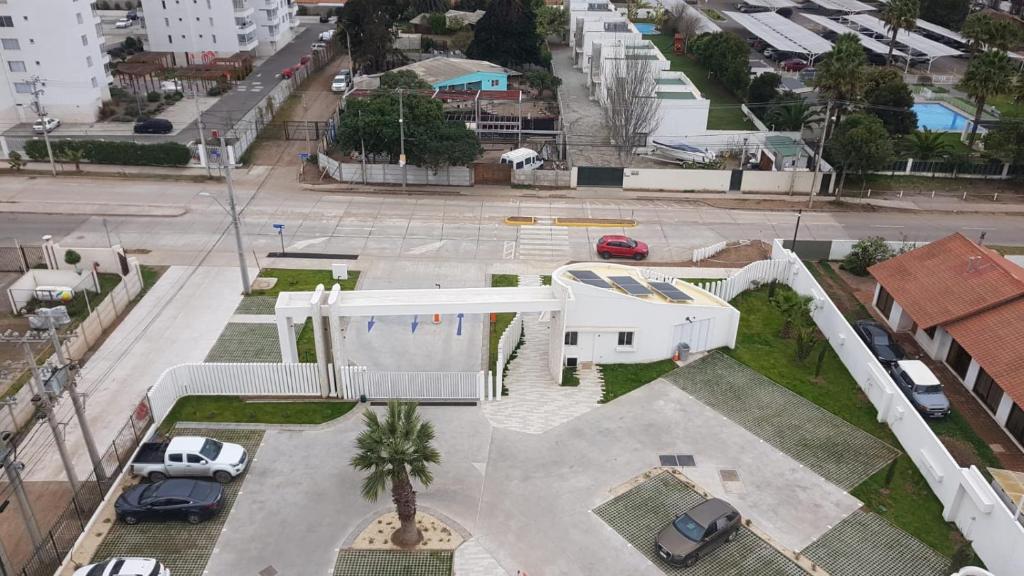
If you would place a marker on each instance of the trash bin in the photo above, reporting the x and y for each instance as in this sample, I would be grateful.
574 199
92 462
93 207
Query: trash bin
684 350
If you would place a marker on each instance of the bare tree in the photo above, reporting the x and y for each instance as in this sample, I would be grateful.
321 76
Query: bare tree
683 20
632 106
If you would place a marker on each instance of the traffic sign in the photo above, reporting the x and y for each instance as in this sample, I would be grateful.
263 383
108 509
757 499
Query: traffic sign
278 227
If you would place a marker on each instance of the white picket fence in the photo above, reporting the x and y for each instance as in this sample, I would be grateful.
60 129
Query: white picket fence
708 251
506 345
752 275
241 379
356 381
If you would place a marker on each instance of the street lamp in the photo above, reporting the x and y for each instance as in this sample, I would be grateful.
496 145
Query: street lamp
233 213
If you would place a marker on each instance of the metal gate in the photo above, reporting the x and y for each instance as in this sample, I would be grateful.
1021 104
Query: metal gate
500 174
296 130
19 258
599 176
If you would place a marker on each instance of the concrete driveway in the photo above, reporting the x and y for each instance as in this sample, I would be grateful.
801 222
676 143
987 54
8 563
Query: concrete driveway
527 499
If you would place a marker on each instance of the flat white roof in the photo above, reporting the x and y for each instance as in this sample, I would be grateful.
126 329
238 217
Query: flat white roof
866 41
848 6
942 31
445 301
917 42
781 33
773 4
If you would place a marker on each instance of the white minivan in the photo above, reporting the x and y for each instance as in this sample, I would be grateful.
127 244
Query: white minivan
522 159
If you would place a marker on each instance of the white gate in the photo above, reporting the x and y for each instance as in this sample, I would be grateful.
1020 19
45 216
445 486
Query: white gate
696 334
356 381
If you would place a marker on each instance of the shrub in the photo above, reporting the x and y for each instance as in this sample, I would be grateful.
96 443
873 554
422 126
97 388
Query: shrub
867 253
123 153
215 90
153 96
438 23
107 110
15 161
117 93
72 257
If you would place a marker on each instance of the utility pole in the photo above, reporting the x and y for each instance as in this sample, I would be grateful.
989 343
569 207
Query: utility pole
817 160
202 132
8 457
51 419
76 401
362 146
796 229
41 112
225 163
401 132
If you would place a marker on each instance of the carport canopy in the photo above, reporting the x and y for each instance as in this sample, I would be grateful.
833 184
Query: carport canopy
848 6
942 31
782 34
772 4
912 41
865 41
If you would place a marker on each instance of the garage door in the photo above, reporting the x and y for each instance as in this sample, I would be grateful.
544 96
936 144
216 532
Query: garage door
599 176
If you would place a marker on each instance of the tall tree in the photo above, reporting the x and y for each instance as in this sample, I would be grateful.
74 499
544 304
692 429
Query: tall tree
789 112
552 21
683 20
1005 141
394 79
925 145
394 453
840 77
631 110
948 13
369 29
507 35
984 32
764 88
890 99
860 145
899 15
990 73
726 56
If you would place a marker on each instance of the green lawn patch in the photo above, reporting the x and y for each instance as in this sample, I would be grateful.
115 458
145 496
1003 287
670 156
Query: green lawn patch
621 379
907 501
1006 105
725 111
1008 250
546 280
569 377
234 409
502 319
289 280
305 345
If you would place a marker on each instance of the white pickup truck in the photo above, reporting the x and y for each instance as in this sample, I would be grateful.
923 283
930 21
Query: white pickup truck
194 456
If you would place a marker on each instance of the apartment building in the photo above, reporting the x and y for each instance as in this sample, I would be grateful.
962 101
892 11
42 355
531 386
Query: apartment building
194 30
60 42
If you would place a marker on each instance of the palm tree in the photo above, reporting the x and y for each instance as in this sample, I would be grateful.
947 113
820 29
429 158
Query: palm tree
899 15
840 77
925 145
989 74
395 452
793 307
75 155
984 32
793 115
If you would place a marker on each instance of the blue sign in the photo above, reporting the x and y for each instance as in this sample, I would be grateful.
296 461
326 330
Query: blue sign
369 324
415 323
459 331
278 227
304 155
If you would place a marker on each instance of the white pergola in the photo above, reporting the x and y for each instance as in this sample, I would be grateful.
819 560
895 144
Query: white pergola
847 6
913 43
782 34
866 41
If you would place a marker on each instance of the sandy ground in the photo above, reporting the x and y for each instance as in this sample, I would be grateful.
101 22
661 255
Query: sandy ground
436 534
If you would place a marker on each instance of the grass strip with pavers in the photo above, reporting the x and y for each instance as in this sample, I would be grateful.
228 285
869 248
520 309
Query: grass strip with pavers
241 342
501 319
261 305
293 280
393 563
234 409
184 548
641 512
865 544
621 379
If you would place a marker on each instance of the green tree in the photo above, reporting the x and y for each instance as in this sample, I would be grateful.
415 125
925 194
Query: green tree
789 112
552 21
984 32
438 23
948 13
542 81
725 55
840 77
369 29
865 253
792 306
71 257
507 35
16 161
407 79
899 15
807 337
989 74
860 144
1005 141
924 145
764 88
890 99
393 453
461 40
73 154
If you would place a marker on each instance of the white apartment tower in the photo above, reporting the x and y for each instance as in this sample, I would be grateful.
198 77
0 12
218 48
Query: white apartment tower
59 41
195 30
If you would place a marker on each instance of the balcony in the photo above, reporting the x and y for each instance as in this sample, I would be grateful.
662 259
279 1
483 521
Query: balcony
245 25
243 8
247 41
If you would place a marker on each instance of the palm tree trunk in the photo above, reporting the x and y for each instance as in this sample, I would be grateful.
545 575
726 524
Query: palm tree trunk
404 497
977 118
892 45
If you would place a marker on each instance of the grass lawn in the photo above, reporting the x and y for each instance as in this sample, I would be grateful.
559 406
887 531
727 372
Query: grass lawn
621 379
725 107
234 409
289 280
1006 105
1008 250
502 319
546 280
569 377
908 501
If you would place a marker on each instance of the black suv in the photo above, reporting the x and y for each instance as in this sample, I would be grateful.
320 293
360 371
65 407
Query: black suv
878 341
153 126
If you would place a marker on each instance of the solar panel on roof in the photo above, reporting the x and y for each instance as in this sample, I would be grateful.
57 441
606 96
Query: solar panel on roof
629 285
670 292
590 278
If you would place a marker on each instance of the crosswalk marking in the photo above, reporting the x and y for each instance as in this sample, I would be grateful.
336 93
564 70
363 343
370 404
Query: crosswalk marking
543 242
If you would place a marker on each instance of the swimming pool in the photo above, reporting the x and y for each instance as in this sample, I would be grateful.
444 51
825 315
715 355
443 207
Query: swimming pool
646 28
939 117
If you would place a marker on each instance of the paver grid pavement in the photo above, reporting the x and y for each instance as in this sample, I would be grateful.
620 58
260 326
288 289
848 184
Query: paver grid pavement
256 305
183 548
830 446
246 343
393 563
865 544
639 514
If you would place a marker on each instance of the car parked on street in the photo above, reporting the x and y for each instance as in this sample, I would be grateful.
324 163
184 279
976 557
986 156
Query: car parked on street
176 499
618 246
153 126
921 387
190 456
124 567
46 124
123 23
794 65
878 341
697 532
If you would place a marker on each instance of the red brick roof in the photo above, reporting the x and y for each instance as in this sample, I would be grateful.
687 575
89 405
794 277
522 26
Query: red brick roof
994 338
948 280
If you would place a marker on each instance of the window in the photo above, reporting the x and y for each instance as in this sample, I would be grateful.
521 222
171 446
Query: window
88 61
6 22
958 359
170 40
883 302
1015 423
625 338
194 459
175 458
167 22
16 65
571 338
214 37
22 87
931 332
10 43
571 362
85 40
519 164
95 82
79 18
986 389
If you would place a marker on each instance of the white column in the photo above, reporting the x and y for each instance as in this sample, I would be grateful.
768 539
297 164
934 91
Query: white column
318 338
286 338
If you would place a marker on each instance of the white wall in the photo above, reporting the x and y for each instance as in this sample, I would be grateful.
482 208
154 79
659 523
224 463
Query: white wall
273 25
842 248
677 118
675 179
798 183
20 292
197 27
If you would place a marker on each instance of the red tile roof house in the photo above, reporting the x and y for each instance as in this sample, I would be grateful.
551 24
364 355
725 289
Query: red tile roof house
964 304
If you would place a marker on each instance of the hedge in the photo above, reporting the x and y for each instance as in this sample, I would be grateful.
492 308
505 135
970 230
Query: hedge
108 152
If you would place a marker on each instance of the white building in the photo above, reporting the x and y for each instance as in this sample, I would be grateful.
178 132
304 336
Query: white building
201 29
60 46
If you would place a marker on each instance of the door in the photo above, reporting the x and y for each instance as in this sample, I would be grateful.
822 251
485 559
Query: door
696 334
176 465
195 465
735 180
618 249
169 508
599 176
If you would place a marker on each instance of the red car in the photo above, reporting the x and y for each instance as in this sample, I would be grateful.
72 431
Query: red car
794 65
621 247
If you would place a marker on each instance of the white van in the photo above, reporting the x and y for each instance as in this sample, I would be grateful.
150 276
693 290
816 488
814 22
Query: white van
522 159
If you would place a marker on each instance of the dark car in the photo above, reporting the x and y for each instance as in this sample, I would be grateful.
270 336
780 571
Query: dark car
324 18
621 247
698 531
921 387
153 126
175 499
878 341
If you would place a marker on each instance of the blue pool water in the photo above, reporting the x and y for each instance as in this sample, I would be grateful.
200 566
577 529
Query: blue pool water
939 118
645 28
